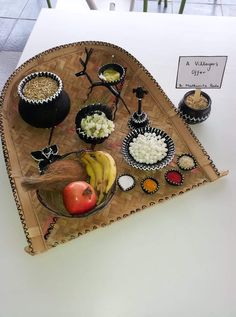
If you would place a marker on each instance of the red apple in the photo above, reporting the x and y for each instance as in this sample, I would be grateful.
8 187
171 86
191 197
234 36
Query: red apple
79 197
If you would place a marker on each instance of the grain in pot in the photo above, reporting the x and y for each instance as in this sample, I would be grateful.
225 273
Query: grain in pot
40 88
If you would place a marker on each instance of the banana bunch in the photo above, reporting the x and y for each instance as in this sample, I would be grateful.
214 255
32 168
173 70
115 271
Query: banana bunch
101 168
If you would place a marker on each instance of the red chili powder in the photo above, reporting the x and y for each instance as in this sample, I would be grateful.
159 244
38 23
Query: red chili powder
174 177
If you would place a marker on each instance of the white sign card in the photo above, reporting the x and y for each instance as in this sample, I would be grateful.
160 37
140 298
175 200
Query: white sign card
200 72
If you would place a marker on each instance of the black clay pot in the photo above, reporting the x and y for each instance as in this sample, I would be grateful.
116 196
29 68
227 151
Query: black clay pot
44 113
117 67
193 116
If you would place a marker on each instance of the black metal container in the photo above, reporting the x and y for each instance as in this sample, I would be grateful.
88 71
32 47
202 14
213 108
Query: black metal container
43 113
193 116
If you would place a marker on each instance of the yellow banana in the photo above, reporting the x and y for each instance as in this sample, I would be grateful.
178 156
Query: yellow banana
97 168
109 168
89 171
103 160
112 171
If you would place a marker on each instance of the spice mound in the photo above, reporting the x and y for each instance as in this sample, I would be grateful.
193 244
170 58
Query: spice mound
199 104
110 75
148 148
186 162
126 182
149 185
40 88
174 177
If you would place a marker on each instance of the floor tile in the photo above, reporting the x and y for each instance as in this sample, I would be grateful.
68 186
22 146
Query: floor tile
12 8
19 35
153 6
229 10
6 26
32 9
199 9
8 63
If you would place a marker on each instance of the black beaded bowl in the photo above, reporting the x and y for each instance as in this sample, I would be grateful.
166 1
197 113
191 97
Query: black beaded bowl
143 166
117 67
43 113
187 155
87 111
193 116
53 200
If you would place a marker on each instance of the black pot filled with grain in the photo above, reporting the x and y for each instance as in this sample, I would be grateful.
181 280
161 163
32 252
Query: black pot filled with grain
43 101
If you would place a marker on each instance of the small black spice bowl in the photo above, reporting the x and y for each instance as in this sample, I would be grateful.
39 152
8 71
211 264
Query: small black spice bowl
174 177
43 113
87 111
116 67
144 188
192 159
193 116
126 185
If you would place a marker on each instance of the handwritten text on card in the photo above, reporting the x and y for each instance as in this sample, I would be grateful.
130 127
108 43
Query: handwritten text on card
200 72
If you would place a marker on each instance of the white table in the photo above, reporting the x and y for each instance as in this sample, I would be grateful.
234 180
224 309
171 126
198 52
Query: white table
176 259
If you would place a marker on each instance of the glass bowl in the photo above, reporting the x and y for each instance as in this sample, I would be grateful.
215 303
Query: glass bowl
53 200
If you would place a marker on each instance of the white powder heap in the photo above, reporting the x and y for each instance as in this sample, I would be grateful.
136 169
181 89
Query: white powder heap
126 181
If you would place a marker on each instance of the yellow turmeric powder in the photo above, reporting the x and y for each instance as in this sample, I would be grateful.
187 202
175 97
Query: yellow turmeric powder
150 185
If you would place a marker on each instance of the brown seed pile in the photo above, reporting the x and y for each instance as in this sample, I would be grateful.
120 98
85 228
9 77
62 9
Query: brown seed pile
40 88
199 104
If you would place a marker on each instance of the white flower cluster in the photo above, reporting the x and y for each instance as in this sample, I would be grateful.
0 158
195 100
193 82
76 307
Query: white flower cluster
148 148
97 125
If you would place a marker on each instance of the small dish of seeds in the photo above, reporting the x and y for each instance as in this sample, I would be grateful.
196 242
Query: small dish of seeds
186 162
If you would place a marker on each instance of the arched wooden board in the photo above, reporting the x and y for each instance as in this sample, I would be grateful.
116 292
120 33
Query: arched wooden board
42 229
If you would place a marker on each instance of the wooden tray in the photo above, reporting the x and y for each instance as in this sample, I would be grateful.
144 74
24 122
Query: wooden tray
42 229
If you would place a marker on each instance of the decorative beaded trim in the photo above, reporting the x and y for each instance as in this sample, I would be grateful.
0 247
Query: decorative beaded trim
192 119
14 191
